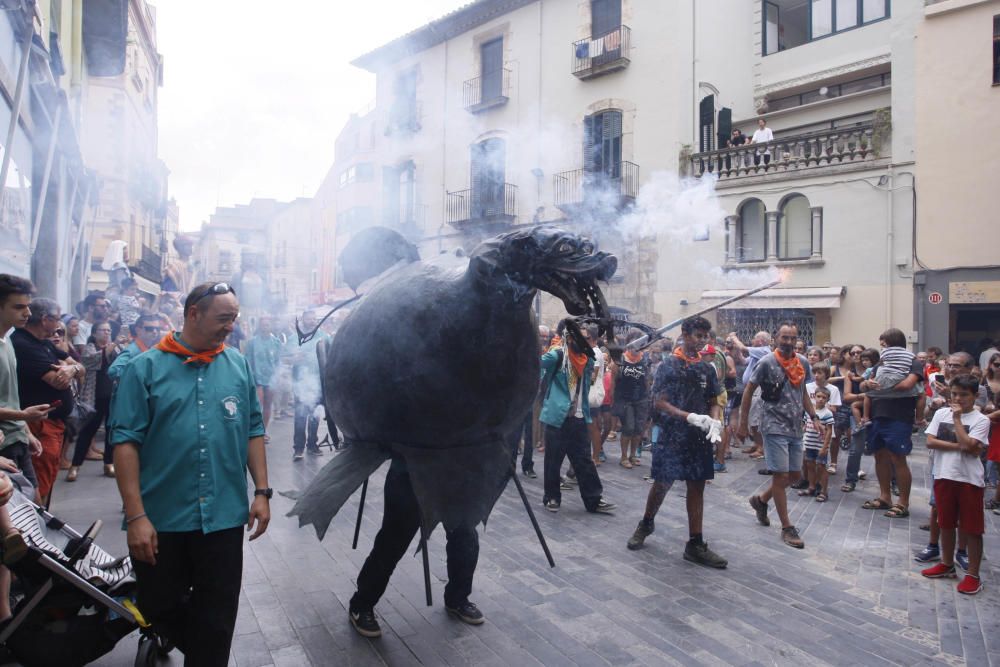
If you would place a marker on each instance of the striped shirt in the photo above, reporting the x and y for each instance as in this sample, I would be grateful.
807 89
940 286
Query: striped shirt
811 438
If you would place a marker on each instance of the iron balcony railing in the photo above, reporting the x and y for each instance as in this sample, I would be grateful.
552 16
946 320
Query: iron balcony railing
490 203
613 188
601 54
823 148
486 91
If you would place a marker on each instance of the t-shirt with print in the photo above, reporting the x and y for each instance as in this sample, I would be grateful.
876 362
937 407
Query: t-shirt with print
835 399
811 438
783 416
631 384
959 466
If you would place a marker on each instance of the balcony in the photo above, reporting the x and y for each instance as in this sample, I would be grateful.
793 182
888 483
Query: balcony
596 56
846 148
595 190
404 117
486 92
489 207
150 266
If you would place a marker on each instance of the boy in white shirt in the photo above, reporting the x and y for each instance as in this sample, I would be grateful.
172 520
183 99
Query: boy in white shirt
821 374
959 434
762 135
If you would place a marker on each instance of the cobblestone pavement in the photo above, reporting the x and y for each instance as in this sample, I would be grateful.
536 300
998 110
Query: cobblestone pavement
852 596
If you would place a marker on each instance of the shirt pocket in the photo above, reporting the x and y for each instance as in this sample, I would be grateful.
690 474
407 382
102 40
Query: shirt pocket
230 405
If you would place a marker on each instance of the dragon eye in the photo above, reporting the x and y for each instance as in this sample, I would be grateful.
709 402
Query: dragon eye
565 247
587 248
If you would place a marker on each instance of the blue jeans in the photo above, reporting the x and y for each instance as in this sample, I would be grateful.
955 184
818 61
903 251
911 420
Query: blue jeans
782 453
854 456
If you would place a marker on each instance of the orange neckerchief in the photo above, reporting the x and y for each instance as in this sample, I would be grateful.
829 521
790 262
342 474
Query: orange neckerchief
633 357
169 344
578 360
793 367
679 353
555 343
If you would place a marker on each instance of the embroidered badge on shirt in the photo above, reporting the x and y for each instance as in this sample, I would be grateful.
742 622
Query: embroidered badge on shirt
231 408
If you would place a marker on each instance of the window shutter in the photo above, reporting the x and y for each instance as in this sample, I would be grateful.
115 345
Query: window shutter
491 61
725 126
591 143
612 143
605 16
706 114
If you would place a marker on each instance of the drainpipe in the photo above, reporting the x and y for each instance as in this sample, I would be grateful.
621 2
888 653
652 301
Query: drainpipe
889 245
15 112
694 78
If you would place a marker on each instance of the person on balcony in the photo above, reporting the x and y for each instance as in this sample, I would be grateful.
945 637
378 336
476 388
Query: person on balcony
762 135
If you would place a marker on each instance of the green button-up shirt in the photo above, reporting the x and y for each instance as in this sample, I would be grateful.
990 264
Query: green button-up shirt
192 424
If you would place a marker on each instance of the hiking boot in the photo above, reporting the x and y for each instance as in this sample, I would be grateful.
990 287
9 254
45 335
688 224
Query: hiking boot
552 505
970 585
790 536
604 507
962 560
928 554
642 531
365 623
939 571
760 508
702 555
466 612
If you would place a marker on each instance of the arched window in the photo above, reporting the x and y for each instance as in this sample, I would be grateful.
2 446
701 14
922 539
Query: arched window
795 229
751 240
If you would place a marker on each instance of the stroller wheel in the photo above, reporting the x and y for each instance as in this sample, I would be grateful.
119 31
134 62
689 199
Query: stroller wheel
147 654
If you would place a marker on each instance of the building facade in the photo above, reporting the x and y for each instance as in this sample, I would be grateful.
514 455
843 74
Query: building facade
957 285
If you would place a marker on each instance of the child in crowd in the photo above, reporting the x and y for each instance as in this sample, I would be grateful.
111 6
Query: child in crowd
821 375
817 444
959 434
861 409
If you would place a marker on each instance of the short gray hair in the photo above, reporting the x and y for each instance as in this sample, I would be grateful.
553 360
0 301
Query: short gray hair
40 307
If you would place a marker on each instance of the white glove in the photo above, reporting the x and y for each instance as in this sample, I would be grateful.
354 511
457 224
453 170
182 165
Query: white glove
715 431
704 422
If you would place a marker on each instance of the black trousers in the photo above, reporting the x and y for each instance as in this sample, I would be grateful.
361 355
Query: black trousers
571 441
102 406
527 458
400 522
306 433
192 593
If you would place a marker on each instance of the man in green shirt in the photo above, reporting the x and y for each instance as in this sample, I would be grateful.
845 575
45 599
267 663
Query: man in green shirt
264 354
186 427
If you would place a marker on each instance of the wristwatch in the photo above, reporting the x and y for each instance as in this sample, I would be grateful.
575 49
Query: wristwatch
267 493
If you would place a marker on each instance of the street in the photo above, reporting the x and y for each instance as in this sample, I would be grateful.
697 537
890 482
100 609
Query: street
853 596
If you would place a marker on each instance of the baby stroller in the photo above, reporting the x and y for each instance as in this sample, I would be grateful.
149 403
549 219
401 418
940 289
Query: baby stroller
72 601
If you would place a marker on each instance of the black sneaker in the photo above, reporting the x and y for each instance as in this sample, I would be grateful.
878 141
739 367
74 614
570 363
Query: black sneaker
552 505
365 623
604 507
466 612
530 474
316 451
702 555
760 508
298 456
642 531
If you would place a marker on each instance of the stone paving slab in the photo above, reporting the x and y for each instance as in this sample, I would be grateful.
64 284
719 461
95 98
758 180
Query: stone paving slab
852 596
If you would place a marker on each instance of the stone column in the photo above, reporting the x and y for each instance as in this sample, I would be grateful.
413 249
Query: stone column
771 218
816 215
732 233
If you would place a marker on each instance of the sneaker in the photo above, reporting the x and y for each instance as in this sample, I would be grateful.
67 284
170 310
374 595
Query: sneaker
764 471
602 457
845 443
928 554
790 536
702 555
364 622
719 467
832 469
315 451
298 456
862 474
642 531
604 507
530 474
939 571
571 479
466 612
970 585
895 489
552 505
565 485
760 508
962 560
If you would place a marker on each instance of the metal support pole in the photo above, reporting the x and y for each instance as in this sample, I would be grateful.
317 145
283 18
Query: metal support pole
361 509
531 516
15 112
44 190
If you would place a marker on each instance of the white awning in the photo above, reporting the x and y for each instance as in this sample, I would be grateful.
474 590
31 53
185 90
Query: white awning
779 297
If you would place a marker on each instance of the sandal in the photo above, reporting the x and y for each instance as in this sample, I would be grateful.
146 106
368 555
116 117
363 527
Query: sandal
876 504
807 492
821 497
897 512
625 463
636 462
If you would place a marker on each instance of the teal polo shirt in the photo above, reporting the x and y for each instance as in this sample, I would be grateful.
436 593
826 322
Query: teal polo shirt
192 424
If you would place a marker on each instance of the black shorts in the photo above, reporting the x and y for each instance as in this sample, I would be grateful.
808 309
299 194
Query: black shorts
634 415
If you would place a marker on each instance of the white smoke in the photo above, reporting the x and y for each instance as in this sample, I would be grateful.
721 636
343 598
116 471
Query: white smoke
674 209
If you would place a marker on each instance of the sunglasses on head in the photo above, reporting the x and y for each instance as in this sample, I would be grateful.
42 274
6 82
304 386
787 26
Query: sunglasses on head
216 289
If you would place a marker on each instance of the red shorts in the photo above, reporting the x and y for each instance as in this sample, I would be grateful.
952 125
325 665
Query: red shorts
959 504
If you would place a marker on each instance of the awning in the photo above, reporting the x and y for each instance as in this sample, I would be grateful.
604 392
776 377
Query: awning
99 281
780 297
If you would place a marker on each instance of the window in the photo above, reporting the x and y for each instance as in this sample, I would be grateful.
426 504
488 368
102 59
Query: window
605 17
488 162
399 195
602 144
706 122
996 50
795 229
363 172
491 64
791 23
751 240
829 92
403 115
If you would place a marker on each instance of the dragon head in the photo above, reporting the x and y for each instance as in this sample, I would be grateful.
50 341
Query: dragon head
551 259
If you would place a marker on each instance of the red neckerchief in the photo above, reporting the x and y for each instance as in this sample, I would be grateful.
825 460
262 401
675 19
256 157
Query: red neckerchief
169 344
793 367
679 353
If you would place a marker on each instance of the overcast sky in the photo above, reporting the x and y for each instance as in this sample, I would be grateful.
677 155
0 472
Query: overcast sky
255 91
